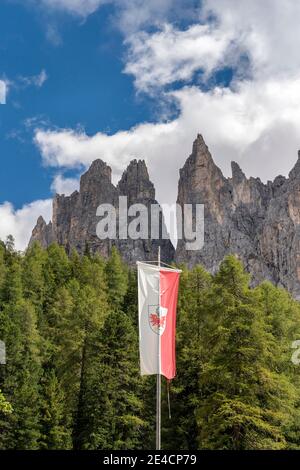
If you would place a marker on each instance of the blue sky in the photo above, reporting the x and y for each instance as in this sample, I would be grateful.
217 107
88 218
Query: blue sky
123 79
85 87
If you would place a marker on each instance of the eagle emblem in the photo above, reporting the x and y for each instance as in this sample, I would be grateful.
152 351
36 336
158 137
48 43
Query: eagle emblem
157 317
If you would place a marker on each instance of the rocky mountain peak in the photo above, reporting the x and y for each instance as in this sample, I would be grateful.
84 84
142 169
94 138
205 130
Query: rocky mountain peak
135 182
137 169
295 171
98 173
200 163
43 232
75 218
200 153
258 222
41 221
199 144
238 176
201 180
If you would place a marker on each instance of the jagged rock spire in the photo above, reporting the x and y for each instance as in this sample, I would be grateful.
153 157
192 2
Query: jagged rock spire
43 233
97 173
75 217
295 171
238 176
135 182
200 152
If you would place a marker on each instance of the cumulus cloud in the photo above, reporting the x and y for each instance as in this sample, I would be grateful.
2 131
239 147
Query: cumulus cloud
268 31
68 148
20 222
62 185
256 125
228 31
170 55
3 92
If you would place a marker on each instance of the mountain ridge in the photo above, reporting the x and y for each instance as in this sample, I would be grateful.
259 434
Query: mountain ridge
259 222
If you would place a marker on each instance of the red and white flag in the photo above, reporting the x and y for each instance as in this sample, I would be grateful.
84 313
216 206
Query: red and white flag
157 292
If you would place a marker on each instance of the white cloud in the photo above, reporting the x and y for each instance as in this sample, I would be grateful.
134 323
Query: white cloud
20 223
3 92
68 148
35 80
135 15
266 32
171 55
62 185
253 124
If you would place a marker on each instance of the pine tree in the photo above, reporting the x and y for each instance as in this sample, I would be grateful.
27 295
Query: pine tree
55 429
116 276
246 402
33 279
92 310
130 304
20 382
282 316
111 414
79 310
57 272
193 314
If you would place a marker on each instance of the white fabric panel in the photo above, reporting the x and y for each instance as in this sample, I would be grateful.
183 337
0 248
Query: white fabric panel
148 293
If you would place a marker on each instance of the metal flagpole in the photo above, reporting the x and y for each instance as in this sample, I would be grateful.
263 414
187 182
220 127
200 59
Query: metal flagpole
158 377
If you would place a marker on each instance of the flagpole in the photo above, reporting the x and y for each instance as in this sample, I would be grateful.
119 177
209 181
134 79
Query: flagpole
158 380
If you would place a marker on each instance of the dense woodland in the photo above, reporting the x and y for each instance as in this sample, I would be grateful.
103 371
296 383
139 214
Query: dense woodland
72 380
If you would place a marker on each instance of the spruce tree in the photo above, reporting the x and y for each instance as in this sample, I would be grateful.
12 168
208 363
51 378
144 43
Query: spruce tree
111 414
33 279
116 278
245 402
55 428
282 316
193 314
21 377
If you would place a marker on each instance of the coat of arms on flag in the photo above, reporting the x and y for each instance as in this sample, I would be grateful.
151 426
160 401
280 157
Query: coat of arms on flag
157 317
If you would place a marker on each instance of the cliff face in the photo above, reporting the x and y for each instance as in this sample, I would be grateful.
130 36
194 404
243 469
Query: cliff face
258 222
74 218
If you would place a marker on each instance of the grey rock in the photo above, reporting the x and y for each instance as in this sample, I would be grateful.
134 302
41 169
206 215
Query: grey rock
74 218
258 222
43 232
